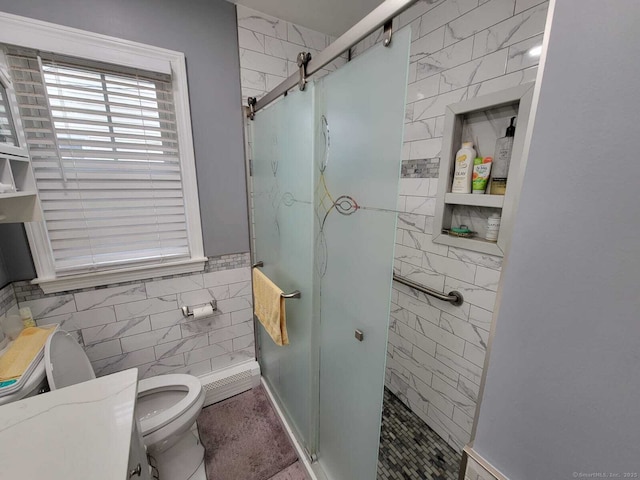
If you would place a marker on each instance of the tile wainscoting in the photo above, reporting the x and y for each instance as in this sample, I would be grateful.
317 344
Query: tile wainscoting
8 301
460 49
140 324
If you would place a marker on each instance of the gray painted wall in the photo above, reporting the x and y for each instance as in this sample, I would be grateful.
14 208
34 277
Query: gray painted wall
563 387
206 31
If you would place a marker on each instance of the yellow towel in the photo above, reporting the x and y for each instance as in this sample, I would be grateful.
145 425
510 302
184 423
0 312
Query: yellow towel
19 356
269 307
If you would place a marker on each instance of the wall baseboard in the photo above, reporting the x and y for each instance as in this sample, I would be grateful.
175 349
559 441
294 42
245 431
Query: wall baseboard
231 381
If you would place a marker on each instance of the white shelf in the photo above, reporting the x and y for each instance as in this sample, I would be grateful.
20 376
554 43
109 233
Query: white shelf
17 195
495 201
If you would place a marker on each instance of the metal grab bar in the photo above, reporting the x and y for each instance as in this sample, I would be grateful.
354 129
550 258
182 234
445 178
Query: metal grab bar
454 297
294 294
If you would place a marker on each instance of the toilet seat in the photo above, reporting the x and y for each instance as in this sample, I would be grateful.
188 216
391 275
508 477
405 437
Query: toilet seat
163 383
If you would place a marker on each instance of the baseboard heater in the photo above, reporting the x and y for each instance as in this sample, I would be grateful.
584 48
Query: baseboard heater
230 381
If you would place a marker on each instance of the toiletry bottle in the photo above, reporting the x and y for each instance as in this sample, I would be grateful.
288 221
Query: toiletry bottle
463 170
27 318
501 161
481 170
493 227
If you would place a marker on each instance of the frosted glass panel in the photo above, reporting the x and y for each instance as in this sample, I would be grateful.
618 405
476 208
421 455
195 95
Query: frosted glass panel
283 216
359 119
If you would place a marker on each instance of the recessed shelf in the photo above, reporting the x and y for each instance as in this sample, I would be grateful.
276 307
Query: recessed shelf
495 201
17 194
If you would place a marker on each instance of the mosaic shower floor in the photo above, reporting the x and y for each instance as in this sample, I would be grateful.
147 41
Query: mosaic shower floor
409 449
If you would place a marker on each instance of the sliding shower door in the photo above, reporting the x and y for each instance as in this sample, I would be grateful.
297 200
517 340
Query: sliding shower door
359 126
283 227
326 164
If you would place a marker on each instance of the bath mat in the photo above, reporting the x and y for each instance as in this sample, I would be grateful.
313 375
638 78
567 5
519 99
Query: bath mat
294 472
243 439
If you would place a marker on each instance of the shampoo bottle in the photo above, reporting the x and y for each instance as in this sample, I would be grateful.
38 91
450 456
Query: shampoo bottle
463 171
501 161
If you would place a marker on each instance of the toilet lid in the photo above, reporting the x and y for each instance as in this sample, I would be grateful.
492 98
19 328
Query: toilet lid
65 361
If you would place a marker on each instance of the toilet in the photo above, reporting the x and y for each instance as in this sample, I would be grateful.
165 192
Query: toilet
166 408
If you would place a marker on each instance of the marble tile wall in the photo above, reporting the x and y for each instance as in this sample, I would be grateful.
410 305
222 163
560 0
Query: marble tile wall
460 49
269 48
475 471
8 302
140 324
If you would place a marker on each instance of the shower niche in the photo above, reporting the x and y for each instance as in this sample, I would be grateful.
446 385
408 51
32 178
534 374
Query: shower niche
481 120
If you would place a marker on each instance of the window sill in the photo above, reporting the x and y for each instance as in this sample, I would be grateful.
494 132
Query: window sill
76 282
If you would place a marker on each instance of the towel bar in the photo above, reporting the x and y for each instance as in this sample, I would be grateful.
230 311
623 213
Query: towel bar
294 294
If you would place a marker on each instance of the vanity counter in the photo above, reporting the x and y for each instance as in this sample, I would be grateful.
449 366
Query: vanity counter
76 433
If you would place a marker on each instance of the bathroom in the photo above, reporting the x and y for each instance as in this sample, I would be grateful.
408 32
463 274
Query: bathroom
529 377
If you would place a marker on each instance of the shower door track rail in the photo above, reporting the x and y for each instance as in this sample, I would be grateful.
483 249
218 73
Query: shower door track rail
454 297
379 17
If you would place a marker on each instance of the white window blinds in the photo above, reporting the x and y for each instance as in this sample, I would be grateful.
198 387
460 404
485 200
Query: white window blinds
104 149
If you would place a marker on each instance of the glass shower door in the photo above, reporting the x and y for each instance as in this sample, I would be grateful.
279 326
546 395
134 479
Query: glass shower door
283 219
359 124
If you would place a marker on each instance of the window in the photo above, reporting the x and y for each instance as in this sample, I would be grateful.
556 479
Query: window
110 147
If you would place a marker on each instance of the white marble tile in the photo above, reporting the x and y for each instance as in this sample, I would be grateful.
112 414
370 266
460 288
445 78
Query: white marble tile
408 255
252 79
473 294
50 306
464 329
456 435
197 369
161 288
436 106
250 40
412 73
241 316
180 346
424 300
409 221
243 342
419 308
522 5
421 149
115 330
475 71
424 242
474 354
444 13
223 361
414 186
123 361
453 396
427 45
484 259
486 15
468 388
422 276
150 338
211 351
457 363
401 204
234 304
161 367
166 319
409 336
421 205
448 57
404 154
260 22
420 130
231 332
141 308
427 362
416 11
196 297
524 54
401 343
413 366
263 63
205 325
84 319
103 297
232 290
103 350
440 335
282 49
480 317
487 278
306 37
225 277
465 420
449 266
425 88
506 81
408 113
513 30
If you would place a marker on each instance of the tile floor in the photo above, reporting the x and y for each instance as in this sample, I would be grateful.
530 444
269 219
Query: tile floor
409 449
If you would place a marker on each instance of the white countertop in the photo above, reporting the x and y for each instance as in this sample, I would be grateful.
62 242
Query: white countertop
76 433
